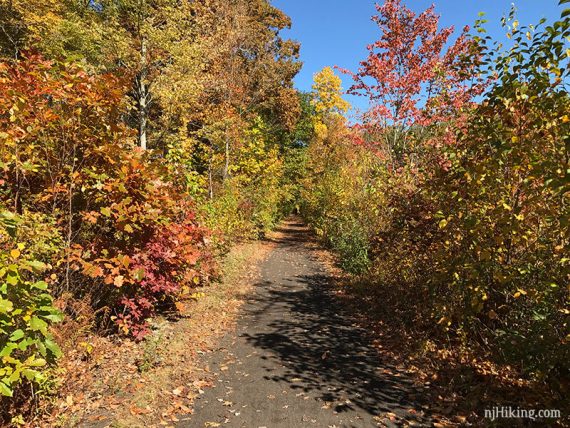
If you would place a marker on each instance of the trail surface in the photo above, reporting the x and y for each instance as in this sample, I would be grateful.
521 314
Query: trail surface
298 359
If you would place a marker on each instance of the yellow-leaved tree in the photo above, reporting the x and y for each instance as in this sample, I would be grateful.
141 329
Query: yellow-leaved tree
328 102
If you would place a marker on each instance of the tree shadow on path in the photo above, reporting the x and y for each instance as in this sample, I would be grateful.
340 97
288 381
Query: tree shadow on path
323 352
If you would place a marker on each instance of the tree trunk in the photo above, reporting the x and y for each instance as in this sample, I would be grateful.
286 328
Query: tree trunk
143 97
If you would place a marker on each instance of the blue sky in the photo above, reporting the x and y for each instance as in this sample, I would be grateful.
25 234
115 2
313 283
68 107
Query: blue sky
336 32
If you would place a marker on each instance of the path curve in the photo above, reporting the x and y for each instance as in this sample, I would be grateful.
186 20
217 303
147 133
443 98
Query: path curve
298 359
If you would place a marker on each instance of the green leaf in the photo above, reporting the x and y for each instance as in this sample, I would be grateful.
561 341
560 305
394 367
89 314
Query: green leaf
7 350
24 344
6 306
37 266
53 347
55 317
139 274
5 390
17 335
15 376
40 285
38 324
106 211
42 348
38 362
30 374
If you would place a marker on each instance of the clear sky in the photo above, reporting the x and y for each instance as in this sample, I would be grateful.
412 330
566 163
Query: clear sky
336 32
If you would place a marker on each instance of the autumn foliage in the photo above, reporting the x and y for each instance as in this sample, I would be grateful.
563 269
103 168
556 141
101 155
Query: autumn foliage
138 141
116 231
453 204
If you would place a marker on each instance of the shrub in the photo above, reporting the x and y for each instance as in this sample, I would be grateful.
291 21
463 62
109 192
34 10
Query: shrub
467 229
26 311
141 245
66 154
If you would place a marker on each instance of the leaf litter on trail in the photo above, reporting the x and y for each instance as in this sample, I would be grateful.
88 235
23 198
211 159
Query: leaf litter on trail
111 377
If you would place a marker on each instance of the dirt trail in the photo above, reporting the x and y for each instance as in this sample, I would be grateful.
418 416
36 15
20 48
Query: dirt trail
298 359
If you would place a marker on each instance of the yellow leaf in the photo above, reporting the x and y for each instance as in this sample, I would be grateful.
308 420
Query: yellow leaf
15 253
119 281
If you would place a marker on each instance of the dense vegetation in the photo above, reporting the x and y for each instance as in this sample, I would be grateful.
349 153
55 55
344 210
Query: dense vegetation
450 197
139 139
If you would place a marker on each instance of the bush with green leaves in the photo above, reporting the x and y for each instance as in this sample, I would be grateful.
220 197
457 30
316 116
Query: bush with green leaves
26 311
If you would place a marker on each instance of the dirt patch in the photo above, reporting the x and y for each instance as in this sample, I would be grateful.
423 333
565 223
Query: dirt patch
111 381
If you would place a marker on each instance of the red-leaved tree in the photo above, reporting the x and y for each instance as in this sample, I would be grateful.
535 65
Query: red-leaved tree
412 77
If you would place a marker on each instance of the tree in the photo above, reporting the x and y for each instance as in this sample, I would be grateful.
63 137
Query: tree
24 23
162 57
410 78
248 72
152 42
327 101
328 93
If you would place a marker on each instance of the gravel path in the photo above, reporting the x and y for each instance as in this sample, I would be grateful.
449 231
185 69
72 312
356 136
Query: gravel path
297 358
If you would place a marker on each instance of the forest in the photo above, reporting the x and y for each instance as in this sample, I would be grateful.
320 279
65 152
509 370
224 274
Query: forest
142 140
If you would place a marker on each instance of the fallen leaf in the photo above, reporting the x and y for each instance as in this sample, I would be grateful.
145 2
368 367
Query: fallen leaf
178 391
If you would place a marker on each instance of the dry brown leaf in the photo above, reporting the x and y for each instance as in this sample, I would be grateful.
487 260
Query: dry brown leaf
178 391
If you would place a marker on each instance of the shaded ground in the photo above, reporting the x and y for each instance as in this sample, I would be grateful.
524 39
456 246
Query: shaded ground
299 359
300 356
